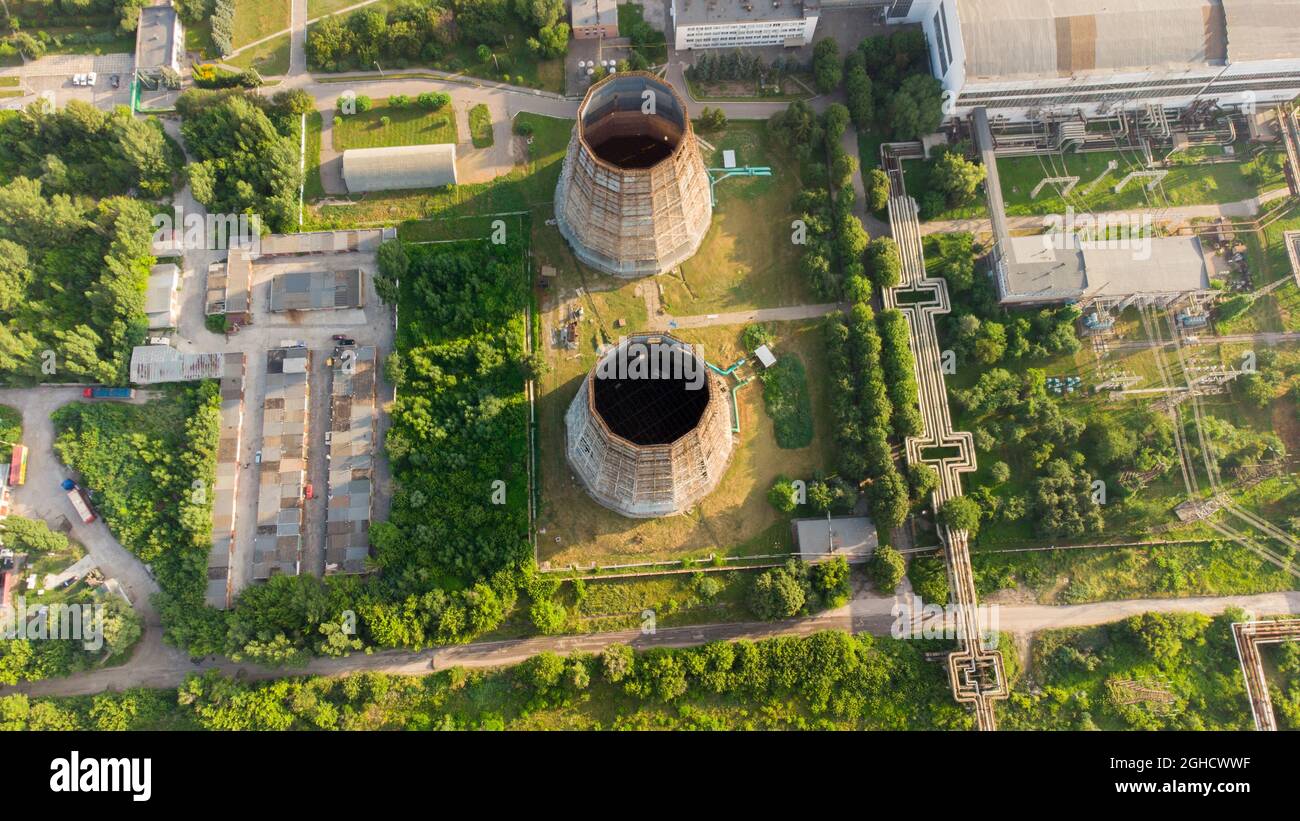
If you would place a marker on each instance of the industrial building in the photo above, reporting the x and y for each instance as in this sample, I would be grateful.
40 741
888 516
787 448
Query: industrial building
853 537
593 19
222 552
161 299
399 166
351 446
633 196
229 287
1068 266
1023 59
155 364
316 291
282 464
649 441
743 23
159 41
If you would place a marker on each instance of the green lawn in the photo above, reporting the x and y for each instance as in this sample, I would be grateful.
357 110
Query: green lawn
406 126
1204 184
255 19
312 189
480 126
320 8
527 187
271 58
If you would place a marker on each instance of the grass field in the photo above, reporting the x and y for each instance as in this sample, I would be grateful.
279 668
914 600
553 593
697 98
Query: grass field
528 187
1205 184
271 58
736 519
480 126
320 8
312 189
255 19
747 259
407 126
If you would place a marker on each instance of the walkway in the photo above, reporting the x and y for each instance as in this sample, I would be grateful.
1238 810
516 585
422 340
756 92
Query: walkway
788 314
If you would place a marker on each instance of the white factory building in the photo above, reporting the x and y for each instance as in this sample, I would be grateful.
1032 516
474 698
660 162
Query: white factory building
743 23
1024 58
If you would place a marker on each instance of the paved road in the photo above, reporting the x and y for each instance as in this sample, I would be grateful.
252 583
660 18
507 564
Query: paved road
868 613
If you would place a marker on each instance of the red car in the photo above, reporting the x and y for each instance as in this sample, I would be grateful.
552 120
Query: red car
308 491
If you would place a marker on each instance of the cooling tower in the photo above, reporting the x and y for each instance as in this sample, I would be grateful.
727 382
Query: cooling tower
649 432
633 197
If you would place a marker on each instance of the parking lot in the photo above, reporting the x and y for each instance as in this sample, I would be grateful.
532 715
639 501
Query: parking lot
55 75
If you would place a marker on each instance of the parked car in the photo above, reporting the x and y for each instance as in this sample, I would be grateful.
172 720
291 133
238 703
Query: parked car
308 491
257 458
90 78
346 342
115 80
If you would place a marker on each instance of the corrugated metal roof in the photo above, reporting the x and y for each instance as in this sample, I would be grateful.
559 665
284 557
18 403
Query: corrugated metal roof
401 166
351 454
316 290
1025 38
151 364
1262 29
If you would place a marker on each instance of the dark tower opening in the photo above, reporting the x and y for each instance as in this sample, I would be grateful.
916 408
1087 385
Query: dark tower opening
654 409
633 122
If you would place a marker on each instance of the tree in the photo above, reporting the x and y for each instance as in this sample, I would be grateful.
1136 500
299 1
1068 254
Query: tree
617 662
917 107
990 342
957 177
1000 472
858 92
549 617
877 190
433 100
713 119
782 495
922 479
554 40
540 13
827 71
961 513
886 568
483 53
883 263
776 595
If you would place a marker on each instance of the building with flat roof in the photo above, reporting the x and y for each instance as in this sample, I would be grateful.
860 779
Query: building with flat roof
399 166
352 431
743 23
591 19
162 300
155 364
282 469
853 537
222 551
316 291
1022 59
159 41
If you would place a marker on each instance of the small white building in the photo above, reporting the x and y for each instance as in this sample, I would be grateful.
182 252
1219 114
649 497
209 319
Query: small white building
399 167
1022 59
743 23
159 40
162 300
